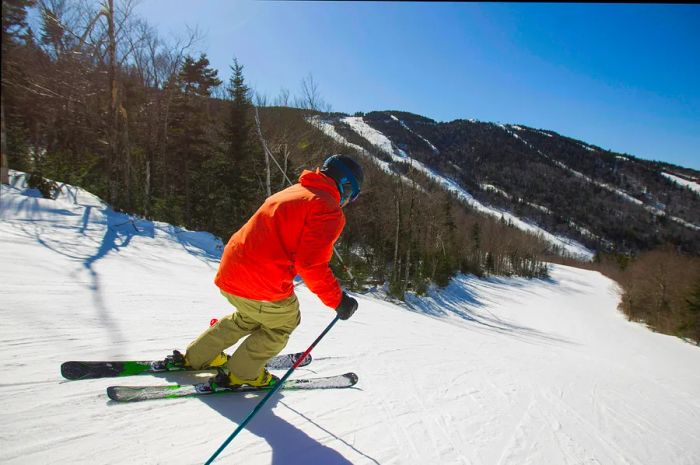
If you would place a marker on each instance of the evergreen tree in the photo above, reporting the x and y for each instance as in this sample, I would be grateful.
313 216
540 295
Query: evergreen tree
236 190
191 143
243 151
238 125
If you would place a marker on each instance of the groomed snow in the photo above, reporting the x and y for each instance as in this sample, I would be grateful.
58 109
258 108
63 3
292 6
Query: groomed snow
498 371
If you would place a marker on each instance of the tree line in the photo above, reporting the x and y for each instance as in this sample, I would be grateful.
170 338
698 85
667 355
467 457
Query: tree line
97 99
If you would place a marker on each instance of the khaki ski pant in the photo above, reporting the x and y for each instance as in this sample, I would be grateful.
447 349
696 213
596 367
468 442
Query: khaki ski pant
267 325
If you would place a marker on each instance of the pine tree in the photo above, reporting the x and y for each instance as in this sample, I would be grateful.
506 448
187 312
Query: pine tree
190 143
238 125
237 191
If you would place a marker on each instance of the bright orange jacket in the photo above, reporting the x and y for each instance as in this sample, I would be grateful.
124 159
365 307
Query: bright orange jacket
292 233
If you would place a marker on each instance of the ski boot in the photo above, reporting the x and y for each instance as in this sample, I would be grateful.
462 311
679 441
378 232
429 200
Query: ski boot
177 361
173 362
226 380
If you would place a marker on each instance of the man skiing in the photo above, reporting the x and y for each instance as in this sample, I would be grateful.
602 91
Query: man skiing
292 233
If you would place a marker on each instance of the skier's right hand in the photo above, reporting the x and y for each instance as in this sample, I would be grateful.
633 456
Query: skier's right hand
347 307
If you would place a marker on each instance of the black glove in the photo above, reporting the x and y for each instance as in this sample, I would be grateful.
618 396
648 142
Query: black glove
347 307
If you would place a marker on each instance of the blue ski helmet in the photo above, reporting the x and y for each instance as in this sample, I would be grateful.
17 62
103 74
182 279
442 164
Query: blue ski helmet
347 174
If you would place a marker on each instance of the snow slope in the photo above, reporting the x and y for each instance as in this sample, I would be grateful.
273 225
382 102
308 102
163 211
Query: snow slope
500 371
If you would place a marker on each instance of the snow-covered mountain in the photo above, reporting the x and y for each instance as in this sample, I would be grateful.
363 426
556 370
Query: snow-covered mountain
497 371
577 196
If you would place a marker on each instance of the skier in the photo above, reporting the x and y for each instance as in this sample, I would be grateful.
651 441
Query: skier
292 232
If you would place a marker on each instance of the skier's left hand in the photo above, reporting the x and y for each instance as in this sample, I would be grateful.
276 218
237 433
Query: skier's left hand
347 307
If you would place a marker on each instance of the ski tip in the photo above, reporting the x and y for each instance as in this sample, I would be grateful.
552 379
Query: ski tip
112 393
124 393
65 367
352 377
306 360
74 370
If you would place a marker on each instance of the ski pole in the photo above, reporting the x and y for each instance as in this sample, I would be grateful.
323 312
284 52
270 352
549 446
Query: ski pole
270 394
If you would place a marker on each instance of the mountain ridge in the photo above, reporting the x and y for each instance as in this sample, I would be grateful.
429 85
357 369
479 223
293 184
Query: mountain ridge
607 201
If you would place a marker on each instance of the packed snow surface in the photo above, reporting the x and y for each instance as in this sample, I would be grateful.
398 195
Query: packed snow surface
497 371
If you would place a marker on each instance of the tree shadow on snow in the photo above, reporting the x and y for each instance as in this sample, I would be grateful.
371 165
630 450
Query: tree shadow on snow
118 230
202 245
461 301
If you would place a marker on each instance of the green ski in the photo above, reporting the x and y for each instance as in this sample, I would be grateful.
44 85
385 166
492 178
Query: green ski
170 391
75 370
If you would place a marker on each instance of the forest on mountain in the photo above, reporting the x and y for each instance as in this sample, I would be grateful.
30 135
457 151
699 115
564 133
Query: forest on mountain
567 186
96 98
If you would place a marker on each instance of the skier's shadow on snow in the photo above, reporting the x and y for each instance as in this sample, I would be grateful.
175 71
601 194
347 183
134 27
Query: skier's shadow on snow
290 445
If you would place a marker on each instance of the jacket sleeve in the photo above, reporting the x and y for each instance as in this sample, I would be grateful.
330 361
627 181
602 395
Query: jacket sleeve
321 230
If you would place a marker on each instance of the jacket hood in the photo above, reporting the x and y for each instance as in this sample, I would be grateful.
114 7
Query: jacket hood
318 180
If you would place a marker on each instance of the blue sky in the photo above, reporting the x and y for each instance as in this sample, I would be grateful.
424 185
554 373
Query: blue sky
624 77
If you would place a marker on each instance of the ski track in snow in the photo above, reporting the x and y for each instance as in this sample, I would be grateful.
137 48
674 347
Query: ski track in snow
496 371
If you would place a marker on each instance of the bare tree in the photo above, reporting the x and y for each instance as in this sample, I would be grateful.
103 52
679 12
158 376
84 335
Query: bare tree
113 126
261 100
282 99
158 62
268 155
283 150
310 98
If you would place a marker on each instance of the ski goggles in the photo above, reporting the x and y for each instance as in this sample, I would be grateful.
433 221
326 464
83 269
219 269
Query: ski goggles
349 190
348 187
